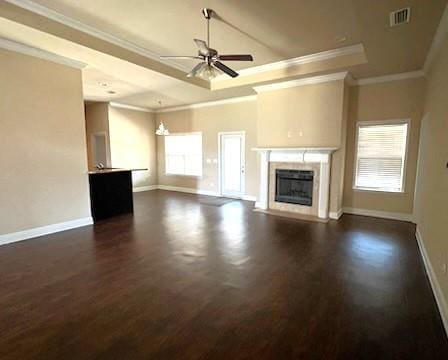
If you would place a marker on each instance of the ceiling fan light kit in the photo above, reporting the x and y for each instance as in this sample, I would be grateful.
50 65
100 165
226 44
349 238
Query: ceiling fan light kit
210 65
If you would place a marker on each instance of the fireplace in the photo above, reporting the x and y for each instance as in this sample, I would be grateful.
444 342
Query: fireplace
294 186
312 161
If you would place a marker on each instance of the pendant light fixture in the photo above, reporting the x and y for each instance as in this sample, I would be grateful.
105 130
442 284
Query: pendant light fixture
162 130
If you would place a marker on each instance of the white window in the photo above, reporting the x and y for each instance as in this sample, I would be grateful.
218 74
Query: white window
183 154
381 155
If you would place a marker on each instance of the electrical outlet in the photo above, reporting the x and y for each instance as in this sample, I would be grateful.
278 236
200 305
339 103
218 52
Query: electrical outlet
444 268
289 134
212 184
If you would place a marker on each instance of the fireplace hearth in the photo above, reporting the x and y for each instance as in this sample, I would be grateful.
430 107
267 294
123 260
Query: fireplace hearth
294 186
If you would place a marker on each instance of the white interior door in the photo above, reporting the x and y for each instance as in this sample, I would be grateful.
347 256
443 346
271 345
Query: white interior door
232 162
99 148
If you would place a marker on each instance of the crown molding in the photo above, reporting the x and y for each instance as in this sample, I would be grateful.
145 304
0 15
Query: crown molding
210 103
387 78
38 53
75 24
130 107
441 33
301 82
285 64
350 80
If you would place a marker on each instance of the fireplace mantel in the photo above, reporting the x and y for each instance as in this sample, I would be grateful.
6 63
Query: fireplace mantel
320 155
327 150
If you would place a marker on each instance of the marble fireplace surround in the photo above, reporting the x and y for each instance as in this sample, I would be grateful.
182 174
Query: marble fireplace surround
319 158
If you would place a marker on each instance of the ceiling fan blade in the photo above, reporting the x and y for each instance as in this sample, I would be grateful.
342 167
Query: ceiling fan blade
179 57
224 68
235 57
196 69
203 48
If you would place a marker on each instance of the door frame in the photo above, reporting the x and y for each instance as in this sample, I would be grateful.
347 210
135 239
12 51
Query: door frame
93 147
220 163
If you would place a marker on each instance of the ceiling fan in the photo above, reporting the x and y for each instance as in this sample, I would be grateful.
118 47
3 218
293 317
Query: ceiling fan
210 65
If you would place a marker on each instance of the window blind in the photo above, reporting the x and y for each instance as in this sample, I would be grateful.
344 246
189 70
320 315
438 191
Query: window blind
380 156
183 154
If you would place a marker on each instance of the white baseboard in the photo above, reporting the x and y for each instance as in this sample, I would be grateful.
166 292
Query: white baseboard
200 192
258 205
379 214
188 190
249 198
335 215
438 294
145 188
44 230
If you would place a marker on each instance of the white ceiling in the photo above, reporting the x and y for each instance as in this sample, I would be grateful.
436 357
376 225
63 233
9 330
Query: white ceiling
134 85
270 30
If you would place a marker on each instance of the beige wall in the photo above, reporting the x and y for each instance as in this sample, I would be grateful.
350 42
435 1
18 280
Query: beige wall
96 121
133 143
210 121
42 144
389 100
308 115
131 140
431 205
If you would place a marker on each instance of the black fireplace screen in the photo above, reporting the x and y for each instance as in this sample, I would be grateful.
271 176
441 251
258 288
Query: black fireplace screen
294 186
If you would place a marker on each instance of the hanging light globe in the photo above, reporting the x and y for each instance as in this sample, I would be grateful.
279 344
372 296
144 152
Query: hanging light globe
162 130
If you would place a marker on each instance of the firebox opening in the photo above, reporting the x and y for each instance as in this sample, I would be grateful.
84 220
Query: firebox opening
294 186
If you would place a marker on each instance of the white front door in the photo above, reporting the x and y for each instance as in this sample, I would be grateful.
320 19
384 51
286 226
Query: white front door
232 164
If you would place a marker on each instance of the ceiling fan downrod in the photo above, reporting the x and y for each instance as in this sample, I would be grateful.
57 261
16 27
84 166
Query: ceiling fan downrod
207 15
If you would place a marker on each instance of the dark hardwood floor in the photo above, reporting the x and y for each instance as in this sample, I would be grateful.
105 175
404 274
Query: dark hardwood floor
183 279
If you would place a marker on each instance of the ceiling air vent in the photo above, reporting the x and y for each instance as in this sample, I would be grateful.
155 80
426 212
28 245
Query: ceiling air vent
401 16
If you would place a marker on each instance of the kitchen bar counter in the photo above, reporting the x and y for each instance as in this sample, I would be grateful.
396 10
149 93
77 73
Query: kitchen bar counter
111 192
110 170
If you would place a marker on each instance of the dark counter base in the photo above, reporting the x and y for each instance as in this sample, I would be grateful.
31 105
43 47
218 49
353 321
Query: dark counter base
111 194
